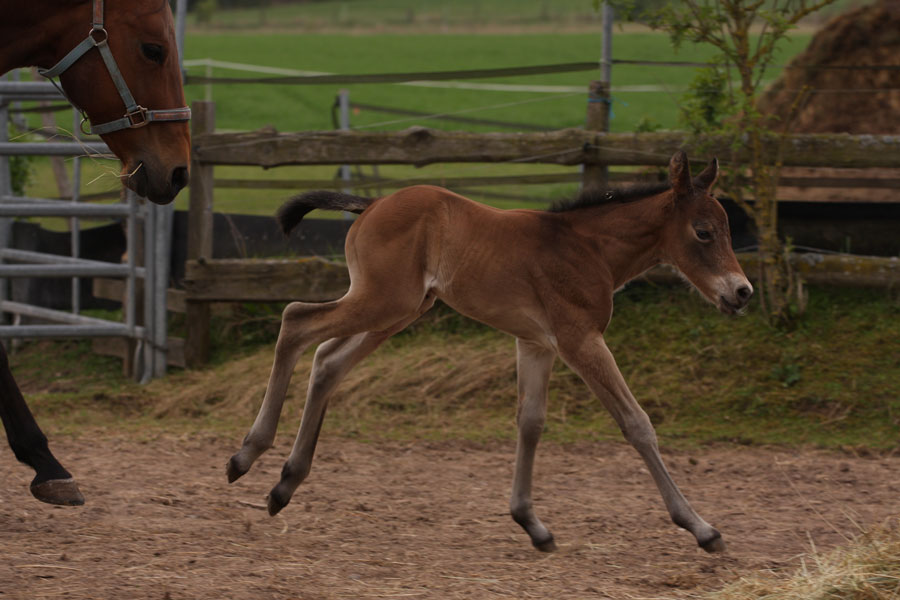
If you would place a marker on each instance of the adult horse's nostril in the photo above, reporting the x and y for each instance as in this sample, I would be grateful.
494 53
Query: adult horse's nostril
744 292
180 178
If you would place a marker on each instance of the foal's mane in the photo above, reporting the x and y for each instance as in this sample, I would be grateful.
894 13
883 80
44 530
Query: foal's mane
593 197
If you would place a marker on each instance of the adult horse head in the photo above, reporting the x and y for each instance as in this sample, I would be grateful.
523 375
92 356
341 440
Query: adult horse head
118 63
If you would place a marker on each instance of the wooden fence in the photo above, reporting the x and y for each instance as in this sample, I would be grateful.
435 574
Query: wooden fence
208 280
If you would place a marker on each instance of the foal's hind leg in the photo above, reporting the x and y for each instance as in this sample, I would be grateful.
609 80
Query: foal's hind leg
334 359
262 433
533 365
303 324
593 361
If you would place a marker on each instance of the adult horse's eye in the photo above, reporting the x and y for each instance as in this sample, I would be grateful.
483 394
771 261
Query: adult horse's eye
703 235
154 52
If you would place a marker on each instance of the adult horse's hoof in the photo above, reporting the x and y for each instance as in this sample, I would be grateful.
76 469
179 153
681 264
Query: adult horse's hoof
58 491
715 544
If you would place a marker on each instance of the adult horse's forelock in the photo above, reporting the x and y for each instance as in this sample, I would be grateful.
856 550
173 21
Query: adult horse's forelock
141 38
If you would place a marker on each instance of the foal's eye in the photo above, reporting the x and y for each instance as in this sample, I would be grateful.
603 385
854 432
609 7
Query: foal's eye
703 235
154 52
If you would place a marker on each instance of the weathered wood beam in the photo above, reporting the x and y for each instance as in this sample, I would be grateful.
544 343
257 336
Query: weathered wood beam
318 280
841 270
120 348
265 280
422 146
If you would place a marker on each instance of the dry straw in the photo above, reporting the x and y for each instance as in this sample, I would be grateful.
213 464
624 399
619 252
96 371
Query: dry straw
868 568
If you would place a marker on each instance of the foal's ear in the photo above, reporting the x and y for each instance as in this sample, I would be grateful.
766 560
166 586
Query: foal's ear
707 179
680 174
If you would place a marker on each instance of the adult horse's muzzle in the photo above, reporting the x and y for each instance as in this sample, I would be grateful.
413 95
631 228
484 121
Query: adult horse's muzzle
158 185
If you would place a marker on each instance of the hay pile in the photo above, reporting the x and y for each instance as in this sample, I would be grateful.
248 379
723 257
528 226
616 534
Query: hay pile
841 101
867 568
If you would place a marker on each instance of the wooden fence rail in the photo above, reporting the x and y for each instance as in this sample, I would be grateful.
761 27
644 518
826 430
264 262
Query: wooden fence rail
320 280
421 146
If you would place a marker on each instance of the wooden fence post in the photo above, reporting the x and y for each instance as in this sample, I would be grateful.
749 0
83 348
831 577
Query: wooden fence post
597 176
199 243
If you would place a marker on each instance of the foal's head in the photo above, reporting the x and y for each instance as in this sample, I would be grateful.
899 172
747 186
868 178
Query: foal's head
698 241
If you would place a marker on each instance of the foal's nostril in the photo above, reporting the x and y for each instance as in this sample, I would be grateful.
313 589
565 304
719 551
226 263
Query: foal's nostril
744 292
180 179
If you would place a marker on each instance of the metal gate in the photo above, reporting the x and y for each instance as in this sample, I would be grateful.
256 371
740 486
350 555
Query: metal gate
155 221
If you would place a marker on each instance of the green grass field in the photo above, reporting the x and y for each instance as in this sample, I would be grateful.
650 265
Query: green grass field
292 108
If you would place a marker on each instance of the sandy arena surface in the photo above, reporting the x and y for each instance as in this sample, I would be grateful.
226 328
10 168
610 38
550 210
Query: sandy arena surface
419 520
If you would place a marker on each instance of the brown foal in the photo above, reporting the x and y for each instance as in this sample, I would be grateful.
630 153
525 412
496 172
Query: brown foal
545 277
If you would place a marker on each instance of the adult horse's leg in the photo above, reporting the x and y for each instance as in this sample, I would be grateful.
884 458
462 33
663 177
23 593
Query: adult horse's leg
334 359
593 361
52 483
533 365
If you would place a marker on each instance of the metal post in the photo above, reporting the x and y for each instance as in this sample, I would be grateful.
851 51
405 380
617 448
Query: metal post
208 88
130 258
149 278
344 125
180 23
606 49
597 176
5 190
161 258
74 223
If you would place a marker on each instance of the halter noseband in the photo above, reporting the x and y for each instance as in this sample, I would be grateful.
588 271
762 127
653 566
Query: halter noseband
135 115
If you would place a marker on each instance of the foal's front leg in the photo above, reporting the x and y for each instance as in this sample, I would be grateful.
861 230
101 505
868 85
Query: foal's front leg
593 361
533 365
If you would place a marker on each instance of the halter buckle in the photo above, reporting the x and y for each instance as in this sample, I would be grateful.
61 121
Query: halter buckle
138 117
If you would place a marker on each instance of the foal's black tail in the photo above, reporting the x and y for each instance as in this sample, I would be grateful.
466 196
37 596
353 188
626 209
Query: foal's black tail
292 212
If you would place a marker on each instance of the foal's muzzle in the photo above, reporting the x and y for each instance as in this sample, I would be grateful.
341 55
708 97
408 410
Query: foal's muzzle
736 297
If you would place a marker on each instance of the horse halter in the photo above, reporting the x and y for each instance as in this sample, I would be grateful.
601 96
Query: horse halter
135 115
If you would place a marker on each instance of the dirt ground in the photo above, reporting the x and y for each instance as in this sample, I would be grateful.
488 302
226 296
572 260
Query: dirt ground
422 520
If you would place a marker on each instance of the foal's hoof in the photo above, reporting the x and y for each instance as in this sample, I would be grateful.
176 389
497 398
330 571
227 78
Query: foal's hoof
234 470
275 501
714 544
58 491
545 545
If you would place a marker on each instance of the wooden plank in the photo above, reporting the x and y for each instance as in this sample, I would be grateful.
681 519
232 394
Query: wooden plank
200 228
841 270
114 289
120 348
422 146
281 280
201 186
372 182
318 280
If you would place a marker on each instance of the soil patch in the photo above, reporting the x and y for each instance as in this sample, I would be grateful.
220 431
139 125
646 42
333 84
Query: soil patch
420 520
